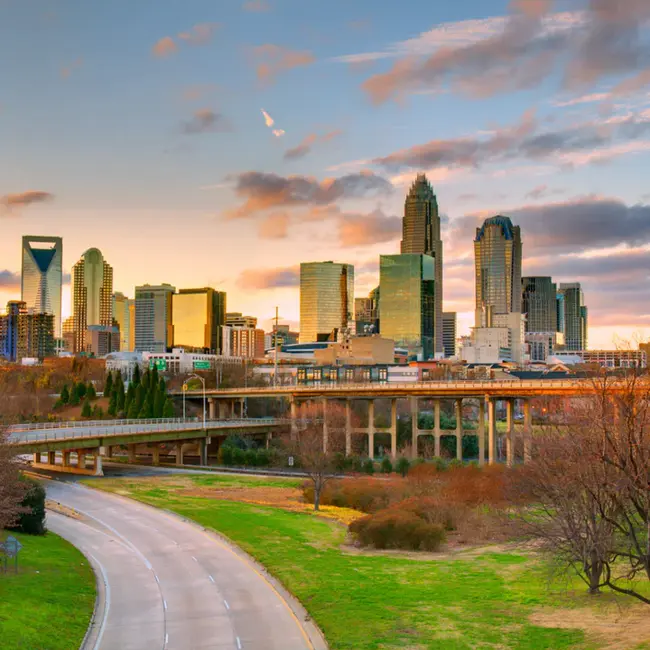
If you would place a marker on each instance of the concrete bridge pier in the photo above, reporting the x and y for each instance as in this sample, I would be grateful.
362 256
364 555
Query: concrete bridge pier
155 456
437 432
371 428
459 428
203 450
528 431
481 431
415 428
492 431
510 432
293 406
212 408
66 465
132 453
325 429
348 427
393 428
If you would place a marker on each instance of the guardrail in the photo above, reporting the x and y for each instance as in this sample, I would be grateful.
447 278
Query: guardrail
89 423
121 429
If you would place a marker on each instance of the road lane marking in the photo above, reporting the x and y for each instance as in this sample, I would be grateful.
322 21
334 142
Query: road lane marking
211 578
238 643
107 603
194 559
156 577
225 602
166 638
165 604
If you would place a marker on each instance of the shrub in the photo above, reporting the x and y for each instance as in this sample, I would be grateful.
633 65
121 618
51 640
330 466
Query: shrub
32 521
65 395
368 467
432 510
91 393
386 465
238 456
225 455
361 493
393 528
250 458
263 458
86 411
402 466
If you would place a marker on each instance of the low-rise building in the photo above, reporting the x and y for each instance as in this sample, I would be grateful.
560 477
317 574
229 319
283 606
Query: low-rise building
357 350
604 358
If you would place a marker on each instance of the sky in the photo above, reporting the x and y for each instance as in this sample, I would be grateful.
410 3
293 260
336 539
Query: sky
204 143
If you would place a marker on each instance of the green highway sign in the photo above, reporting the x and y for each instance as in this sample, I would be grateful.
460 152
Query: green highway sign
201 365
159 364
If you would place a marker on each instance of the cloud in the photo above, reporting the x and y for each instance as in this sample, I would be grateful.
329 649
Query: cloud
200 34
68 70
277 278
367 229
269 121
262 191
275 226
164 47
206 121
278 133
198 91
9 280
307 143
273 59
542 191
504 54
256 6
23 199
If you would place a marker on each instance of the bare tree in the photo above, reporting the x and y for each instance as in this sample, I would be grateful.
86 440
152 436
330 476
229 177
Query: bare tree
12 489
318 444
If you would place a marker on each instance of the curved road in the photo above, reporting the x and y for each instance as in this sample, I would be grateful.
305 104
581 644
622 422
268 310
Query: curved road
168 584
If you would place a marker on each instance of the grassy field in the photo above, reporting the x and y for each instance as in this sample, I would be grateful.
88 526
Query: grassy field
371 601
48 604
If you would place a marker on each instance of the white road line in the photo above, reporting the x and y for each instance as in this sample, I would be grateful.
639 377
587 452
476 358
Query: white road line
165 604
211 578
238 643
156 577
107 603
194 559
225 602
166 638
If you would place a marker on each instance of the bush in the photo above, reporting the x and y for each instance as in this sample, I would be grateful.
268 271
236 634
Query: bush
250 458
32 522
238 456
386 465
368 467
393 528
225 454
361 493
65 395
86 411
263 458
402 466
91 393
432 510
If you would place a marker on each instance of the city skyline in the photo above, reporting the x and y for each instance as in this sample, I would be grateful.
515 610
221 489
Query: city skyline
560 150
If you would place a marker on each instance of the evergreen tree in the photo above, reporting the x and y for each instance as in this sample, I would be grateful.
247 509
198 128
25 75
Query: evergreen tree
162 385
132 413
98 412
168 409
136 375
108 385
80 389
145 380
118 391
139 397
153 378
159 404
147 409
91 393
130 396
86 411
65 395
74 397
112 405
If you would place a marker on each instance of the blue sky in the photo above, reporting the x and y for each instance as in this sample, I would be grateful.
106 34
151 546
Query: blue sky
139 126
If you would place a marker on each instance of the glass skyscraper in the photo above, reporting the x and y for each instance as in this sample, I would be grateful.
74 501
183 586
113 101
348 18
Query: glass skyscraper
539 303
92 295
198 317
124 314
326 299
42 276
406 310
421 235
449 327
497 258
153 318
575 316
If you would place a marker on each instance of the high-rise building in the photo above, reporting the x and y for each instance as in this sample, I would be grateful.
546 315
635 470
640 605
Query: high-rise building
326 299
92 295
366 314
497 253
153 317
198 317
237 319
575 316
102 340
35 337
244 342
449 326
283 336
539 303
559 310
124 315
9 329
421 235
406 310
42 276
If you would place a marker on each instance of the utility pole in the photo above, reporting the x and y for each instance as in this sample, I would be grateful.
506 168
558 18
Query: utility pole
275 345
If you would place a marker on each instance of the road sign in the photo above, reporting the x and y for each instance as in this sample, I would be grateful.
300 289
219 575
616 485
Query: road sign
290 461
184 387
201 365
11 546
159 364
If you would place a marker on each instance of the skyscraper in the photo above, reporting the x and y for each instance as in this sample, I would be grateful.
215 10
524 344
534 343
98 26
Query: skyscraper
575 316
9 329
449 332
366 313
124 314
42 276
497 259
421 235
92 295
539 303
153 317
198 317
406 310
326 299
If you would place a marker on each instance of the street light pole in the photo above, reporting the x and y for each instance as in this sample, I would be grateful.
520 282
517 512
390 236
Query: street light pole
203 383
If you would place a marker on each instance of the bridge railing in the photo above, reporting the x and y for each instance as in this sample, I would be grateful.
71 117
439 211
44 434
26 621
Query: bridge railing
73 424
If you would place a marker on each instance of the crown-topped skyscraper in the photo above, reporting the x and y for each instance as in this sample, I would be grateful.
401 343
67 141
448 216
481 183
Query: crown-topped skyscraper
421 235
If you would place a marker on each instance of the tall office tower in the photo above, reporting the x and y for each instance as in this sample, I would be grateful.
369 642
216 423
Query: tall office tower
559 310
449 326
237 319
366 314
497 259
124 315
92 295
575 316
326 299
539 303
42 276
153 318
35 336
421 235
198 317
9 329
406 310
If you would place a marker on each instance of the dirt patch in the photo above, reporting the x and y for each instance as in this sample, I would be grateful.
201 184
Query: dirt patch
618 625
278 497
55 506
449 552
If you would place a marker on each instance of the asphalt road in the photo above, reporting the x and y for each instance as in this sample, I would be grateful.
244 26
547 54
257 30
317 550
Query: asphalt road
167 584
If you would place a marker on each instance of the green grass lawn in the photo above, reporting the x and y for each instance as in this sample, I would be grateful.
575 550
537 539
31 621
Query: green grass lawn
48 604
381 602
